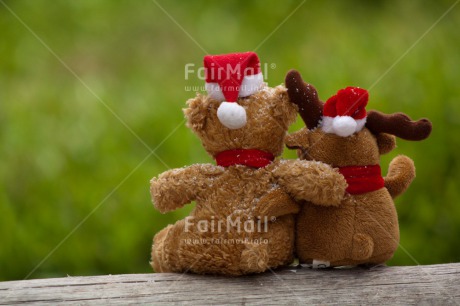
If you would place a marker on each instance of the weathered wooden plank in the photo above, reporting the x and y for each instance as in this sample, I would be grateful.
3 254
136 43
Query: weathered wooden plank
436 284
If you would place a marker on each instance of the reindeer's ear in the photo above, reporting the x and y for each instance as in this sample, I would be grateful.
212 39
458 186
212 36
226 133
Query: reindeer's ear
196 113
386 143
297 139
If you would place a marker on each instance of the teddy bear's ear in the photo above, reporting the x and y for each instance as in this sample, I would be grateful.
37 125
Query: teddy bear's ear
196 113
285 112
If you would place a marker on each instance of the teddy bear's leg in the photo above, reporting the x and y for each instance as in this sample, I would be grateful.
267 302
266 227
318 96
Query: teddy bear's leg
254 258
277 242
176 249
158 260
363 247
165 255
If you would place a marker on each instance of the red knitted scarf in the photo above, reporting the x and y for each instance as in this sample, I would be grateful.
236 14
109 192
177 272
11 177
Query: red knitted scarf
362 179
247 157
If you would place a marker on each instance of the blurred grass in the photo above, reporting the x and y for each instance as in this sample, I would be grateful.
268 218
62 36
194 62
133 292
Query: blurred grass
65 154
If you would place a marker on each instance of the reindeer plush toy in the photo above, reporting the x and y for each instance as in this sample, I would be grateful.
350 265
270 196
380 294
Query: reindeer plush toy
363 228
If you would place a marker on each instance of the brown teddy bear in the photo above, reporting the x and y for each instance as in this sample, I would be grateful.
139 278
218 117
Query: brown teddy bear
363 228
243 221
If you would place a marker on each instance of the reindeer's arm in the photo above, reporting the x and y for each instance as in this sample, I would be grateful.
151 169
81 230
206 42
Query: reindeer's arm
400 175
177 187
311 181
275 203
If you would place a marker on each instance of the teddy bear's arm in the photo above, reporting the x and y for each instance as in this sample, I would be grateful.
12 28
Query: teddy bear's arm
276 203
177 187
311 181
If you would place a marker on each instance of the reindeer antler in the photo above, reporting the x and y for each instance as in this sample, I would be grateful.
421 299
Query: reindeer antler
398 124
306 98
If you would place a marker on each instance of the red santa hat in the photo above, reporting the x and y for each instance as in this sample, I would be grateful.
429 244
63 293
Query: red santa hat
229 76
345 112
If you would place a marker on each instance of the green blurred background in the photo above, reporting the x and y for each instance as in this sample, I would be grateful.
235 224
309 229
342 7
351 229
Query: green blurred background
74 196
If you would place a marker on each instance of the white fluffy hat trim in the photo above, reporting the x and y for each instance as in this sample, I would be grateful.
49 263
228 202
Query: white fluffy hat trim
343 126
214 91
250 85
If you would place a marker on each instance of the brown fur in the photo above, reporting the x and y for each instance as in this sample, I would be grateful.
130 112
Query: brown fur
267 122
260 195
400 175
363 228
311 181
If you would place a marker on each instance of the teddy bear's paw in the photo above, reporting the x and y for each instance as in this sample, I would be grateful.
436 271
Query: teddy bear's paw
254 259
363 247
